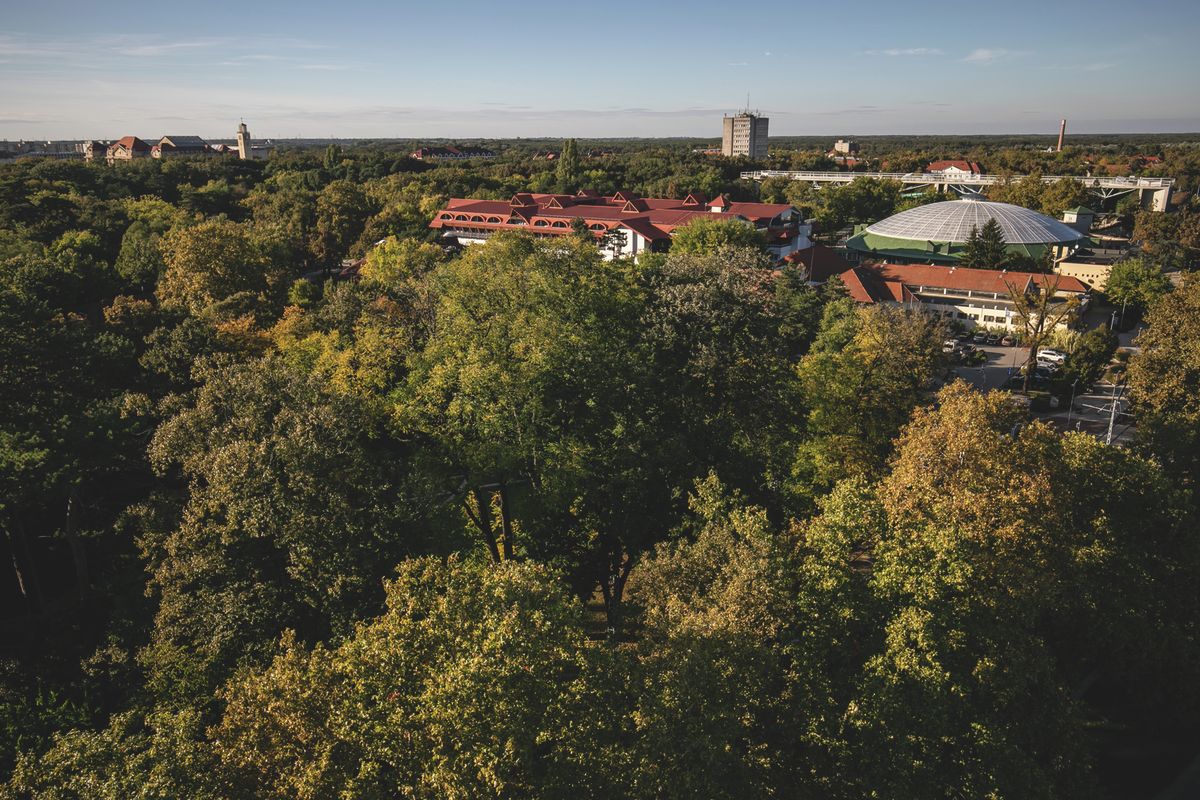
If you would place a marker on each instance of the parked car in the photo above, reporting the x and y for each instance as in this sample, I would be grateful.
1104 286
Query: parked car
1053 356
980 337
963 336
950 345
1045 374
1008 341
993 338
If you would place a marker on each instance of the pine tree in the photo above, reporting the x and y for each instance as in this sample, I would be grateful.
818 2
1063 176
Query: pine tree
985 247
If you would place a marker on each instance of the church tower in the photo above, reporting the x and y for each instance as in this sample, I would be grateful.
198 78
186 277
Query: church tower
243 141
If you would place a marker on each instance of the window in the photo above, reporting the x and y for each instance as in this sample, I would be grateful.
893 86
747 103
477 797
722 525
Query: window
494 220
462 217
476 218
559 224
541 223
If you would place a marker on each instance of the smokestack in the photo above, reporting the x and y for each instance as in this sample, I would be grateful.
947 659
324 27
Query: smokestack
1062 131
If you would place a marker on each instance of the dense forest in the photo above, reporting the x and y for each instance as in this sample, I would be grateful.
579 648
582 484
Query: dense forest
518 521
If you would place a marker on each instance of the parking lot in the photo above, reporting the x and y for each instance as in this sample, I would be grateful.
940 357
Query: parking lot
1088 413
1002 362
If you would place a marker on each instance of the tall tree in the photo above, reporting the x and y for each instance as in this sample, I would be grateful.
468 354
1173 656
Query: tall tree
1136 282
704 235
985 247
1164 380
1038 312
866 372
209 263
570 168
461 688
294 511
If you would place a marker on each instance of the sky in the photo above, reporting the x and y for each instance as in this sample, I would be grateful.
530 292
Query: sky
71 69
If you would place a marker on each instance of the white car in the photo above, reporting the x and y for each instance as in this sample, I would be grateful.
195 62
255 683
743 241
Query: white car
1052 357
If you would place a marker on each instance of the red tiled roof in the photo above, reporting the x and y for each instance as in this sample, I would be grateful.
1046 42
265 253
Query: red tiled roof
645 228
653 217
756 210
975 280
867 286
131 143
965 166
821 262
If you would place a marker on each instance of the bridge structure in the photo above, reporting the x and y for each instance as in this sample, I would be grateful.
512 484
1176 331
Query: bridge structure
1152 193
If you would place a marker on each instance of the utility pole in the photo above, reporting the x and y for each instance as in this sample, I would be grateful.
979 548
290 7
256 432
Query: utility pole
1111 408
1112 417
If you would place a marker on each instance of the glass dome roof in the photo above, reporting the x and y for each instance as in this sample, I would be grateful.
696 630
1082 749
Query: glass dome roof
952 220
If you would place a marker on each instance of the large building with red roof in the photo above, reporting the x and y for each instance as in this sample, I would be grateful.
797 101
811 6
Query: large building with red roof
127 148
953 167
624 224
972 297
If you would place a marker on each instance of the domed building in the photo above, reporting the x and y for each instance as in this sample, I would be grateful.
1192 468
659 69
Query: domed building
936 233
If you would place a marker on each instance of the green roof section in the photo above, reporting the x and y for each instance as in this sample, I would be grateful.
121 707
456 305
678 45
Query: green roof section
927 251
938 232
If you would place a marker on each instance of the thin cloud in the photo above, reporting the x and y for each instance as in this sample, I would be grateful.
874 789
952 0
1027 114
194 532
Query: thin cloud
858 110
738 64
1095 66
164 48
908 51
990 55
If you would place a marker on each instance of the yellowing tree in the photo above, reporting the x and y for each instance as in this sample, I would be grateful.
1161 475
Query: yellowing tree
208 263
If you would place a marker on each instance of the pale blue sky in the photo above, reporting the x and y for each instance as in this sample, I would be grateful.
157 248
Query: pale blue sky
72 69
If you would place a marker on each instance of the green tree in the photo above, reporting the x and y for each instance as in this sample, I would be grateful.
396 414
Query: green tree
160 756
868 369
1136 282
985 247
1039 311
209 263
140 261
462 688
1164 379
1091 354
341 213
569 168
397 263
704 235
529 387
294 510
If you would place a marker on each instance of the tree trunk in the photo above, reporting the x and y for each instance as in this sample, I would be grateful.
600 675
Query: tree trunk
24 567
78 545
484 504
612 587
506 524
1029 366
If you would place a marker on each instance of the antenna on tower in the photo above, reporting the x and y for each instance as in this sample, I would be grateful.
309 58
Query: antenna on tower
747 102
